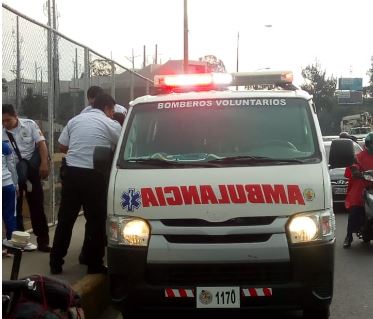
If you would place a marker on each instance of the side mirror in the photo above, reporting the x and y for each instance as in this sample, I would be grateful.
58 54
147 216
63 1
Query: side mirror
102 159
341 153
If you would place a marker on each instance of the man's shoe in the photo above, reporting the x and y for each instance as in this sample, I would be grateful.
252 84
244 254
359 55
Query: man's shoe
56 270
347 242
44 248
97 270
82 259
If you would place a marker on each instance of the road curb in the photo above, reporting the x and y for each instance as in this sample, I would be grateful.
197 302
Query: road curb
94 291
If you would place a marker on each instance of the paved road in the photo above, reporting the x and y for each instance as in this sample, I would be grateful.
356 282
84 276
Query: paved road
38 263
353 286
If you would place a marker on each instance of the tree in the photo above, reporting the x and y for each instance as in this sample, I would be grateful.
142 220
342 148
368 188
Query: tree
214 64
369 88
100 67
321 87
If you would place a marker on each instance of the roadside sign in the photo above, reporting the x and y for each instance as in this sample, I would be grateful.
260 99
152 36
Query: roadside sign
352 84
343 94
352 97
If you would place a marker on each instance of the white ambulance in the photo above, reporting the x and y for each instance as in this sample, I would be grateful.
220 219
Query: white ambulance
220 197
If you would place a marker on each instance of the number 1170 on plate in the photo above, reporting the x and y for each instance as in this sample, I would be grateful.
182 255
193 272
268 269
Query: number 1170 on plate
218 297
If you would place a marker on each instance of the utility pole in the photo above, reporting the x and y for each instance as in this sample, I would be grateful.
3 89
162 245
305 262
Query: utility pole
112 66
36 76
156 54
132 85
144 61
238 44
132 60
186 58
237 53
76 68
18 68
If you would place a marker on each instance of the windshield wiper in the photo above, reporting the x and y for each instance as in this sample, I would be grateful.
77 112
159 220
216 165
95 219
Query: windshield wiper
255 160
167 163
151 161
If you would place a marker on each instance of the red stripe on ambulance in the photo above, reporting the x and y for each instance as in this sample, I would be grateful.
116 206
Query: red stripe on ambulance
257 292
223 194
178 293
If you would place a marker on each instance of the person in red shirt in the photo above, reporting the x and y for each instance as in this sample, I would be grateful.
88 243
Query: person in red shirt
356 185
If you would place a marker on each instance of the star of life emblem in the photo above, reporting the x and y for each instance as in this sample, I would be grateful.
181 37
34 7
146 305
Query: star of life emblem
130 200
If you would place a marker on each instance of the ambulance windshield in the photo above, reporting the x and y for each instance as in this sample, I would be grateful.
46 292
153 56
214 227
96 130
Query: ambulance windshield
227 131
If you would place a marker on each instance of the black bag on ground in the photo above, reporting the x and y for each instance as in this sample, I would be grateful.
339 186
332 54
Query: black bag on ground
51 299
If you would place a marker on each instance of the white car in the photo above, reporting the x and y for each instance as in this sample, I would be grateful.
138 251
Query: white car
337 176
329 138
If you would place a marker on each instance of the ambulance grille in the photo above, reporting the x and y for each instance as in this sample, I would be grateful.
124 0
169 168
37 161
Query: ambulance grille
217 239
239 221
216 274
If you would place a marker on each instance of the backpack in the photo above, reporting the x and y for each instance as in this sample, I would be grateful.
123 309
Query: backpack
52 299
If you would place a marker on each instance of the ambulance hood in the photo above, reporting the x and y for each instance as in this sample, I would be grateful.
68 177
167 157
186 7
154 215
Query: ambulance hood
218 194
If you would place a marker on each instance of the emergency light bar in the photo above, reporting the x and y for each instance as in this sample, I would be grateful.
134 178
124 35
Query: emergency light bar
193 80
260 78
207 81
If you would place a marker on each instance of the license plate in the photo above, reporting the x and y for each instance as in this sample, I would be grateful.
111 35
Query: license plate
340 190
218 297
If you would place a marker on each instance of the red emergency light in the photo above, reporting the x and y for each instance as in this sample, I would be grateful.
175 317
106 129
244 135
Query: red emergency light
193 80
217 81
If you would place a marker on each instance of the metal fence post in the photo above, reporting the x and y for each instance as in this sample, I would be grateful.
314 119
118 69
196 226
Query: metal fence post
18 70
51 101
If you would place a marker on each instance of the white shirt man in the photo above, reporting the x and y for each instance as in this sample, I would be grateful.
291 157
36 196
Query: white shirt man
82 186
27 135
86 131
117 108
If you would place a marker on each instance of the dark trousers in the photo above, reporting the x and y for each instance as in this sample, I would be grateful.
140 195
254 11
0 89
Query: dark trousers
9 209
355 219
81 188
35 200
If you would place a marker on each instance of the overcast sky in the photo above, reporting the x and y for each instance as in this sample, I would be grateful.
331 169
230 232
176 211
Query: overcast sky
336 33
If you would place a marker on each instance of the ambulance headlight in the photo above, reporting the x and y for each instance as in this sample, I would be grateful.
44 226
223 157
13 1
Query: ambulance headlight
128 231
311 227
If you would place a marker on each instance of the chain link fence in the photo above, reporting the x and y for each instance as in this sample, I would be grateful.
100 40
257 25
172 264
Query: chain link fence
46 75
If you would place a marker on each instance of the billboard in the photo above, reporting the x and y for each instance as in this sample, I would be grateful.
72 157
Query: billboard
350 97
350 91
352 84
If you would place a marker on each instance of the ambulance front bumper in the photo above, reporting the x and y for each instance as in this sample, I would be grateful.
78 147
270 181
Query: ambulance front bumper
307 279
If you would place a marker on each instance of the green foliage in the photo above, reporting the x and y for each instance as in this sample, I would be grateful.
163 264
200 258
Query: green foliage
71 104
321 87
369 88
100 67
34 106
